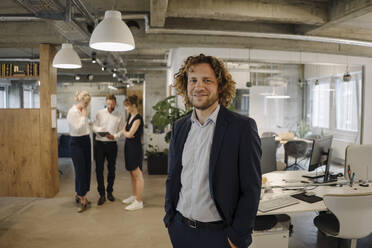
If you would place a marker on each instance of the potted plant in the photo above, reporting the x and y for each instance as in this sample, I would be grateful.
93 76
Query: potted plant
157 160
166 113
302 129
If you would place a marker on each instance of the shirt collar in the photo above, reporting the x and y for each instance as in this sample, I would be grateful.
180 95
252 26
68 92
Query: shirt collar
211 118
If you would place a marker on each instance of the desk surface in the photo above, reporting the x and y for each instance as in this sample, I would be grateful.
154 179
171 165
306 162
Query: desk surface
277 178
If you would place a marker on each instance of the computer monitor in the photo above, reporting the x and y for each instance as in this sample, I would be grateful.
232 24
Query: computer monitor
268 159
321 155
320 152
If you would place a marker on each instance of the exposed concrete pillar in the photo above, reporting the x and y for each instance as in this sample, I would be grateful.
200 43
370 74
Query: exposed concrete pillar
155 90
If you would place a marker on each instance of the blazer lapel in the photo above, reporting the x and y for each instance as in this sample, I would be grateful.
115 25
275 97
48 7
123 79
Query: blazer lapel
184 132
219 132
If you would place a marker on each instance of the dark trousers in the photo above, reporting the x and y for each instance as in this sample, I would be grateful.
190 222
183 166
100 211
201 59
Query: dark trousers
109 151
184 236
81 158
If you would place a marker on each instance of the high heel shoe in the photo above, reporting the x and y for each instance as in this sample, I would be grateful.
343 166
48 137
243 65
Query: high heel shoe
84 207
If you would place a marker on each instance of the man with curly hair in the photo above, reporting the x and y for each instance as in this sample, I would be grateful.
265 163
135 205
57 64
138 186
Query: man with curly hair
214 176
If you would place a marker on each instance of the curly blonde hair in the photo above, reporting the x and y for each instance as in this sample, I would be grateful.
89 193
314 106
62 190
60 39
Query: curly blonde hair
226 85
82 96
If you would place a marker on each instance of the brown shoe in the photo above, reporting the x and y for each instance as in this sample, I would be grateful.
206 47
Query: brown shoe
84 207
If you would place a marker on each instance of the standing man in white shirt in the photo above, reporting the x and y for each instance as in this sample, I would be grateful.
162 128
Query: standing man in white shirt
111 121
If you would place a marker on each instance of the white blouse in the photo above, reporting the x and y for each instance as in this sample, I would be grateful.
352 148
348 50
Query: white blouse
77 123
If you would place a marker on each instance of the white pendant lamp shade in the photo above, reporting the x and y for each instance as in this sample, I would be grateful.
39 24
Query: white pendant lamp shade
112 34
67 58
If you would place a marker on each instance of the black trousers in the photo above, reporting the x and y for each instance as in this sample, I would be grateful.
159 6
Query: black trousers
81 158
109 151
184 236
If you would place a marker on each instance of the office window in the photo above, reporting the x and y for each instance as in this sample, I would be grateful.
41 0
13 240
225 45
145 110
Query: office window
27 98
320 103
2 97
348 102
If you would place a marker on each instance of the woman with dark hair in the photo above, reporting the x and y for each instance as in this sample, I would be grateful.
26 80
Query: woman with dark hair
80 147
133 152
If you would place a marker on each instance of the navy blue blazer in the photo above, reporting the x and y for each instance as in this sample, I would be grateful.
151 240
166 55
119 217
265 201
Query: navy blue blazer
234 172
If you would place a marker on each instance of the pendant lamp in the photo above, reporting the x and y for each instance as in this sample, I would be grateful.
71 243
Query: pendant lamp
67 58
112 34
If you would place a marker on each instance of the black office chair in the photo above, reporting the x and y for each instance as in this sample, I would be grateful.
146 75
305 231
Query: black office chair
296 149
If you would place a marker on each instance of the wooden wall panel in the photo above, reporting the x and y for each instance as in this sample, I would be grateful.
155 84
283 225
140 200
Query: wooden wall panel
48 138
28 143
20 153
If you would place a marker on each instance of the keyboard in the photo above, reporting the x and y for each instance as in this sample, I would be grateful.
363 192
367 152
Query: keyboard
275 203
313 175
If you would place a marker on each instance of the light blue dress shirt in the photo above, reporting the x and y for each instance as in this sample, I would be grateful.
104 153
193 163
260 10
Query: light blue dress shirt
195 201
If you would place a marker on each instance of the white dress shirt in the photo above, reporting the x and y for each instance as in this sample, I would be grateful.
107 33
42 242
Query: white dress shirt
108 122
195 200
77 123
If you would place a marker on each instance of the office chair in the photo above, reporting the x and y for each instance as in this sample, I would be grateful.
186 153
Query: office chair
268 134
296 149
358 157
313 136
271 134
350 217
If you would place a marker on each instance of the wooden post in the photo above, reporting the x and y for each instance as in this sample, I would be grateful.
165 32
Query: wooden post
48 135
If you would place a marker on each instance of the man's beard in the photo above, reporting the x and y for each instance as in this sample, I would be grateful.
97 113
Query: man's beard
205 105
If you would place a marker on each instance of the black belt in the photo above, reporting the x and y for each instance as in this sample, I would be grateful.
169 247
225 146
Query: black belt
198 224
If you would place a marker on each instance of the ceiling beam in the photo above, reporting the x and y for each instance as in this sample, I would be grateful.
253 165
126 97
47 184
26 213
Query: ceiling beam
343 10
202 24
285 11
158 11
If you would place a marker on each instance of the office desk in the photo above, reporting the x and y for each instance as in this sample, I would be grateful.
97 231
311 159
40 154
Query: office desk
276 178
280 238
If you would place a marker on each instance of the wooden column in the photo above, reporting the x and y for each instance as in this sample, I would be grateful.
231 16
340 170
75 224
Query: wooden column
48 135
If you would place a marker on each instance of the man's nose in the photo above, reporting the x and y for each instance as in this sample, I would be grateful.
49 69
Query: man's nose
198 84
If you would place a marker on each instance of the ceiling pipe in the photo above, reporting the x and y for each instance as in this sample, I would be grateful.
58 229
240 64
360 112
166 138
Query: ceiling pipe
20 59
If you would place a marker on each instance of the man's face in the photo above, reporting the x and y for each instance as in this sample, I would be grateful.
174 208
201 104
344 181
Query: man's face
202 86
110 105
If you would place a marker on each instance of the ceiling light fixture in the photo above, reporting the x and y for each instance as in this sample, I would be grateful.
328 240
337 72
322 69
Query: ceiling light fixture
277 97
112 34
94 57
67 58
112 87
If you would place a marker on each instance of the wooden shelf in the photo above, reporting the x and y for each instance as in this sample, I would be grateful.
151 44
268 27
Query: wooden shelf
21 77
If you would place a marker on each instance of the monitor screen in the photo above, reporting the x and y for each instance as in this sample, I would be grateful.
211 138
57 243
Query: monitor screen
320 152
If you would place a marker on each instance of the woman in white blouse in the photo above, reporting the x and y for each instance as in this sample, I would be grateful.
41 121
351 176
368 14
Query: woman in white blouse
80 147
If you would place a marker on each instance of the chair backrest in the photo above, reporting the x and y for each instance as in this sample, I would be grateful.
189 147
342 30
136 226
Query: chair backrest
296 148
268 134
359 159
268 158
313 136
354 214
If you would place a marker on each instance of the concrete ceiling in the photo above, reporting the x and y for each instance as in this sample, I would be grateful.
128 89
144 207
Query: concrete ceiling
160 25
